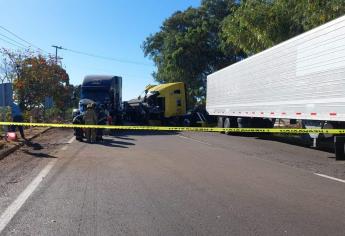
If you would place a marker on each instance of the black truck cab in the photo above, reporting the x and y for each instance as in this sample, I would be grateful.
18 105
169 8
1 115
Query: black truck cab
106 93
104 90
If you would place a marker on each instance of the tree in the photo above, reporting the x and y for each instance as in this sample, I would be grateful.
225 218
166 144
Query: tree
9 64
188 47
36 77
40 78
6 72
198 41
260 24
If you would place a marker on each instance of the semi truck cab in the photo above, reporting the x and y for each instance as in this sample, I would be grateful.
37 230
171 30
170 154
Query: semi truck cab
106 90
160 102
106 93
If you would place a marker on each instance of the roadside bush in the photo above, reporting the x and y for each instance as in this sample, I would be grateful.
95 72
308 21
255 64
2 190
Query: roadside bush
5 115
52 115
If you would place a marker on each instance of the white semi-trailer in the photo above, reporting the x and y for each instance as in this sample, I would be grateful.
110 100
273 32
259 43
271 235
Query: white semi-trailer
300 79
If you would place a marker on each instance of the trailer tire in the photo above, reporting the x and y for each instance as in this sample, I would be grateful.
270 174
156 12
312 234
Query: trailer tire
258 123
244 122
220 122
80 139
269 123
231 122
227 124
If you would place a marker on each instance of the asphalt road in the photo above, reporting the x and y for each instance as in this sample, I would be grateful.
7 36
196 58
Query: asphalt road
151 183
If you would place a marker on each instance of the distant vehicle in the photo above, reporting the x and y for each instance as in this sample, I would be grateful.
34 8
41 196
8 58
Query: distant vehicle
165 103
300 79
105 92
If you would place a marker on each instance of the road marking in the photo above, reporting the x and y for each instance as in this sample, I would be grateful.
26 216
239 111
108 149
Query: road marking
195 140
330 177
71 140
64 148
12 209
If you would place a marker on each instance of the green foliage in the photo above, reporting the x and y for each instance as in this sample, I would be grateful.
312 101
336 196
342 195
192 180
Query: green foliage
187 48
5 115
53 115
76 92
36 77
198 41
39 78
260 24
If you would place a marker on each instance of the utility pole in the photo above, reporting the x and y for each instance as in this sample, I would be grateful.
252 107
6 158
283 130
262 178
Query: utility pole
56 51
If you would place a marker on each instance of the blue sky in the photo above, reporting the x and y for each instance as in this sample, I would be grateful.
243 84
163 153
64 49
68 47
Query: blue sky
109 28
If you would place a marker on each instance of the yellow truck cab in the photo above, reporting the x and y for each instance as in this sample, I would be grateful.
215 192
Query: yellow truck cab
171 98
163 103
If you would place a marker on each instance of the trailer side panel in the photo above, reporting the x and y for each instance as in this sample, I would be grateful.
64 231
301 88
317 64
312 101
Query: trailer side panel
302 78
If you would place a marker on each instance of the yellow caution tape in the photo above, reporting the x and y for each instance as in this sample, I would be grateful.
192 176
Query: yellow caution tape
197 129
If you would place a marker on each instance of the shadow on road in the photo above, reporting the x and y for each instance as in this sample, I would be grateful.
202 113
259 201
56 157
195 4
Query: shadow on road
113 143
39 154
123 133
125 138
34 146
323 145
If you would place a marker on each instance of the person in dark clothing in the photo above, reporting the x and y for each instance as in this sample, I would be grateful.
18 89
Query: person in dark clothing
17 116
90 118
78 119
102 120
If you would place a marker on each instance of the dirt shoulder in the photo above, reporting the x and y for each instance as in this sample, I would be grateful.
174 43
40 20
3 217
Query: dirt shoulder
7 147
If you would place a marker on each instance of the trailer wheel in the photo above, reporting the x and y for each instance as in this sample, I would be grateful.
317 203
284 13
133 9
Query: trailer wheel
80 139
227 125
328 125
186 122
269 123
220 122
244 122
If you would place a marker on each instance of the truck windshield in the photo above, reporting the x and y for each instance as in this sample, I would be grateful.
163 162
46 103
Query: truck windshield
152 98
95 95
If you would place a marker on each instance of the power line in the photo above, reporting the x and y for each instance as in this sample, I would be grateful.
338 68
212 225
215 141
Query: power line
20 38
12 43
13 40
67 49
106 58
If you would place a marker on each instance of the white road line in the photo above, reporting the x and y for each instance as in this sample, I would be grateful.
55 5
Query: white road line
195 140
12 209
64 148
71 140
330 177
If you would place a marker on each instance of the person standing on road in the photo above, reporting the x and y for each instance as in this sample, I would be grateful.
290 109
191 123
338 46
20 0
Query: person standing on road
17 116
79 120
101 120
90 118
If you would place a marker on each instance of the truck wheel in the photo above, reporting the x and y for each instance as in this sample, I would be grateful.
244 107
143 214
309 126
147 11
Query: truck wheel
227 125
80 139
220 123
186 122
328 125
244 122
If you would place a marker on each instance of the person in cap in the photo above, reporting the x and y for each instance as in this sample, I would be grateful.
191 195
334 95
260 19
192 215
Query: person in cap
90 118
